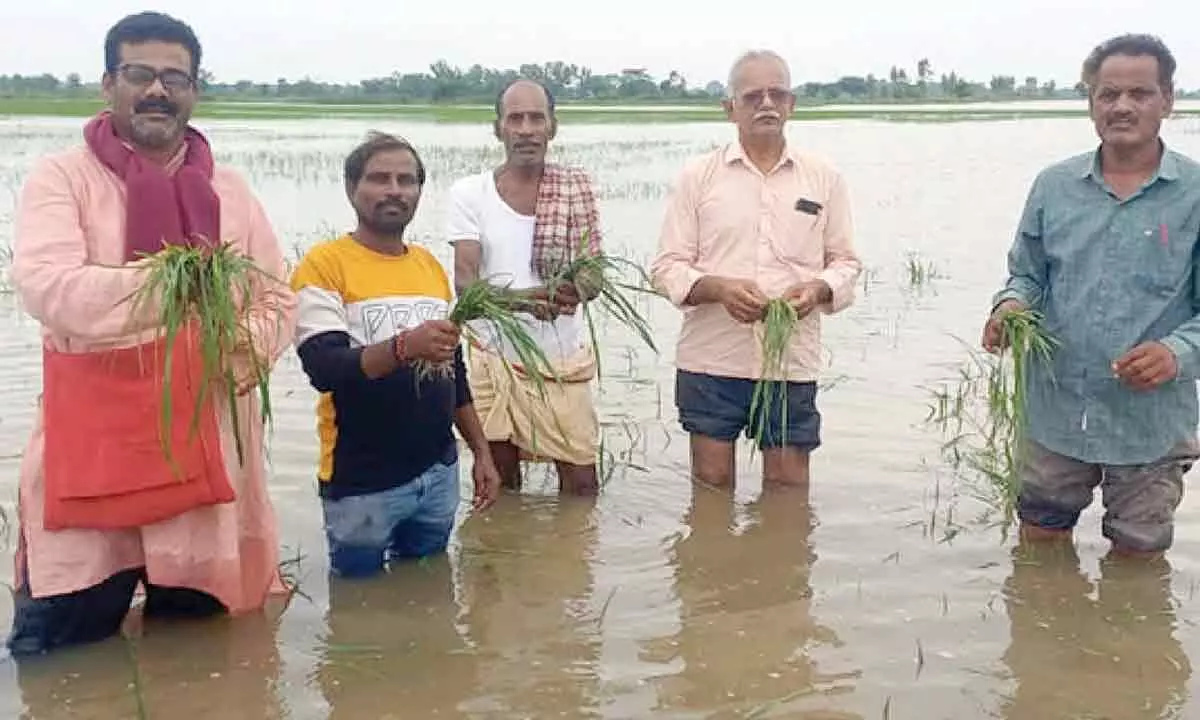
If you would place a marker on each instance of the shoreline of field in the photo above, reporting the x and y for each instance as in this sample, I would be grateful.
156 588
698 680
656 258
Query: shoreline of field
595 113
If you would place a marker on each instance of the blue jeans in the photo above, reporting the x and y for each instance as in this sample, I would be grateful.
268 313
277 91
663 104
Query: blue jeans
410 521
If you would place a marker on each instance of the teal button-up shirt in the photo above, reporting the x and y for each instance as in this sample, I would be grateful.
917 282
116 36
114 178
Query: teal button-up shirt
1110 274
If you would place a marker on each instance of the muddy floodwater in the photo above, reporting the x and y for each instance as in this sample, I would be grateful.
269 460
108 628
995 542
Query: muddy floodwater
874 595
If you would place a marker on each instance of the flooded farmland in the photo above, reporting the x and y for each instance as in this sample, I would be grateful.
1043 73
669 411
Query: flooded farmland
873 595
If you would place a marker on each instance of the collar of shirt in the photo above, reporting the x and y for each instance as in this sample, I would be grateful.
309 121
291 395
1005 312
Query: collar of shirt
1168 167
734 152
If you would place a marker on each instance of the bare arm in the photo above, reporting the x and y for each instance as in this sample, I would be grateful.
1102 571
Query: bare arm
466 419
468 258
484 475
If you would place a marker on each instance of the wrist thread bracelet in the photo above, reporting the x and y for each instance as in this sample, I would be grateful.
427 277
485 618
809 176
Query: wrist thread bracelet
398 347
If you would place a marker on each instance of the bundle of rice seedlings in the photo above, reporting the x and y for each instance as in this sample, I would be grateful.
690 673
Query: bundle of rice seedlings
597 275
498 307
770 391
210 289
984 416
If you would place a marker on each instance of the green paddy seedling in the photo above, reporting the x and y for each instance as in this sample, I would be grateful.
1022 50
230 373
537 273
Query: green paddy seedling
770 390
597 275
496 306
211 288
984 415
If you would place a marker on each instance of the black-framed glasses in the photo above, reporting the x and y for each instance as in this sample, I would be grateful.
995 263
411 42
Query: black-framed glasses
144 76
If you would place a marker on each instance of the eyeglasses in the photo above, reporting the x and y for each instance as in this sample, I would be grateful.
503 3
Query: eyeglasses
755 98
144 76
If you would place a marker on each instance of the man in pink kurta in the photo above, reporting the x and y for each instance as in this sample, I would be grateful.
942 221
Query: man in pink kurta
86 219
754 220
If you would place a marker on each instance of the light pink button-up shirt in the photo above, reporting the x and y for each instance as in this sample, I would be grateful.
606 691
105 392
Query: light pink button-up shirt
725 217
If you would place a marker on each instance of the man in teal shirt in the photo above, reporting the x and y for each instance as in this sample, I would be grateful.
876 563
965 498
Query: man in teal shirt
1107 251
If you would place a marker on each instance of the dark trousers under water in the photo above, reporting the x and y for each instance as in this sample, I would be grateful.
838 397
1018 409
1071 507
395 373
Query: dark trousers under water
41 625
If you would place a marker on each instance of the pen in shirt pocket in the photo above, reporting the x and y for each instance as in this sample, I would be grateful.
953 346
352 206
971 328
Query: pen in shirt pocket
808 207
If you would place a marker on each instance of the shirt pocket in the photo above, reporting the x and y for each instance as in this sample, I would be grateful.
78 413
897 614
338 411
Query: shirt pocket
798 232
1164 257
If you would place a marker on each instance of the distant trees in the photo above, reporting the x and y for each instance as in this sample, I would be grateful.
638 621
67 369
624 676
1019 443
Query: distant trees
446 83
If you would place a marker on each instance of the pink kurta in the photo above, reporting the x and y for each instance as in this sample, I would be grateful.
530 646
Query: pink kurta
67 269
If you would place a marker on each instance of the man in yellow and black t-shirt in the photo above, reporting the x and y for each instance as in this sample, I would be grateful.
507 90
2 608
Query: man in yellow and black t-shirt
370 307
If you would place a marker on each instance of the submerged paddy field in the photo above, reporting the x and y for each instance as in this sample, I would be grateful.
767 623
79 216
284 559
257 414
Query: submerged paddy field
879 595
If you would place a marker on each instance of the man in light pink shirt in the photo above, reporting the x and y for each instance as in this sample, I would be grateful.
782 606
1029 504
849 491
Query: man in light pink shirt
753 220
101 510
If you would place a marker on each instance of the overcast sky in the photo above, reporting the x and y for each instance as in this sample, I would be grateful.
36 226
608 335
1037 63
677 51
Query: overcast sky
267 39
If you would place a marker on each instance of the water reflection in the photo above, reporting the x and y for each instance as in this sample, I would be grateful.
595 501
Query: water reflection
526 582
393 642
746 625
1084 649
505 630
216 668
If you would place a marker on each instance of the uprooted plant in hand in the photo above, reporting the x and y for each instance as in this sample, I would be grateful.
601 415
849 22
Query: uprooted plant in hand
597 277
482 301
770 390
211 290
983 416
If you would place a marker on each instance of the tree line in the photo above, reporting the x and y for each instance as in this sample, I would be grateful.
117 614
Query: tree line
445 83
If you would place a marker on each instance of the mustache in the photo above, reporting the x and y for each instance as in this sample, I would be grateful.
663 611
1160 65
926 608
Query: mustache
398 204
157 106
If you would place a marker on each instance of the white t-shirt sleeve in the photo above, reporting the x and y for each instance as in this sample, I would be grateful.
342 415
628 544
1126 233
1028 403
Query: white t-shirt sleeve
463 222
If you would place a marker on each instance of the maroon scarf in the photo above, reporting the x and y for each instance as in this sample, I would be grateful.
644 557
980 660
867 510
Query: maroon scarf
160 208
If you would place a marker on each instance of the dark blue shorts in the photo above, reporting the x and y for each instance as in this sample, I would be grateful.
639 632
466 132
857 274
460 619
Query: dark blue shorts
719 408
